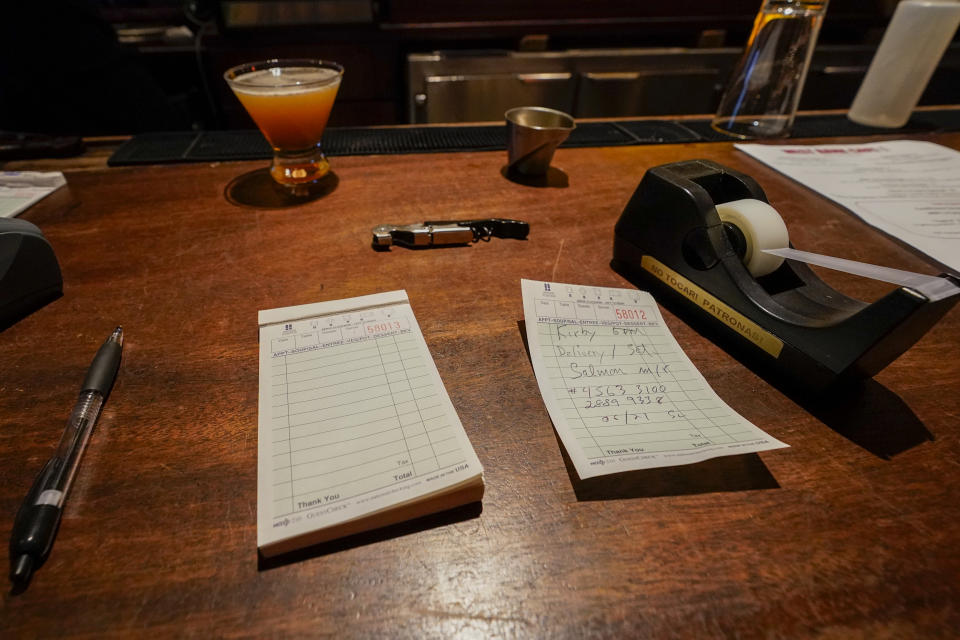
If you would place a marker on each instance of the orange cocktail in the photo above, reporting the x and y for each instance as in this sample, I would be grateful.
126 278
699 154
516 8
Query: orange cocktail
290 100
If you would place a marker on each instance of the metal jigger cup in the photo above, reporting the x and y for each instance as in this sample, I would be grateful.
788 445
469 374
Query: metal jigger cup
533 134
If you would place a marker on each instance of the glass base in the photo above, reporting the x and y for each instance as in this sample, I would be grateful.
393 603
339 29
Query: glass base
746 127
298 170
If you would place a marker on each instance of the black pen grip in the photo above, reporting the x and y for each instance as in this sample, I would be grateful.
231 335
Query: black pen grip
34 528
103 369
36 532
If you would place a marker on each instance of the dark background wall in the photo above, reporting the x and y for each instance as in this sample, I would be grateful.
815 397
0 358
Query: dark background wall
116 66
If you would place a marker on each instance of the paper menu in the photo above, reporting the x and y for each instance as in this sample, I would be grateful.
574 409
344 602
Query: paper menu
356 430
621 393
909 189
19 190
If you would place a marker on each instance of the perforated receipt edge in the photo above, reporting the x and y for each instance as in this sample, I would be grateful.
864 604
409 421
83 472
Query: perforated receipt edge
725 314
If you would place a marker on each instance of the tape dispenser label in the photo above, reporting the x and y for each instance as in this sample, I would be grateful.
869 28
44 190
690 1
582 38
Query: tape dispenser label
725 314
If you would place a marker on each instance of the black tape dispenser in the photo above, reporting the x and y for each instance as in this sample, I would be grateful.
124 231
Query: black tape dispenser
693 235
29 272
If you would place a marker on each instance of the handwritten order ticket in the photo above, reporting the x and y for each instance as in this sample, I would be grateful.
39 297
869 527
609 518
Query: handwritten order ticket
621 393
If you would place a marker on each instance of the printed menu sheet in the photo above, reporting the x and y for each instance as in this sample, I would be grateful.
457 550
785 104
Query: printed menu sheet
907 188
621 393
20 190
356 429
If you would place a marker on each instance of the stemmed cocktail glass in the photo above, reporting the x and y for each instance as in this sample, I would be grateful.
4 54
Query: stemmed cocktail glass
290 100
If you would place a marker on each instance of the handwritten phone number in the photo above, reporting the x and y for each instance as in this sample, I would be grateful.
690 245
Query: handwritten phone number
623 401
617 390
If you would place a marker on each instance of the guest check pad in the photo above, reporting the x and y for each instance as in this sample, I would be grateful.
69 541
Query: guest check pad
621 393
356 430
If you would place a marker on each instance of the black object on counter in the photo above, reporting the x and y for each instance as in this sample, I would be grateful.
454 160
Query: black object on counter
29 272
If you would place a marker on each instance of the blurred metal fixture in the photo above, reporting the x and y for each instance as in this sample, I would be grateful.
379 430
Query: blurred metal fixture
281 13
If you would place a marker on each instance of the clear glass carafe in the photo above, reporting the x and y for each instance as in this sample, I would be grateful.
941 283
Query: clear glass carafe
763 93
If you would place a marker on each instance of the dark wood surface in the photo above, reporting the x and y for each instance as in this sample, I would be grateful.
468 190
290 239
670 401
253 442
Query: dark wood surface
851 532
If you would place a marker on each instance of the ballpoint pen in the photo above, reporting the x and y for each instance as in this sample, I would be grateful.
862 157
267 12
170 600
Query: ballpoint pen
35 526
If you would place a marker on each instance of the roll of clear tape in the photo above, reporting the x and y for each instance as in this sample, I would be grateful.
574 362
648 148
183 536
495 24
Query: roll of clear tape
762 228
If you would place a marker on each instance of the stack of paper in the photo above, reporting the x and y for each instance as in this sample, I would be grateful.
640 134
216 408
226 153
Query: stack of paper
356 428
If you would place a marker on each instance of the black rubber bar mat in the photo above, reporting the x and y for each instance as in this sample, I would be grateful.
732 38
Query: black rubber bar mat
837 126
153 148
208 146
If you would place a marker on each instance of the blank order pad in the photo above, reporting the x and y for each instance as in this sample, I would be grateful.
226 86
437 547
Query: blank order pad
354 418
620 391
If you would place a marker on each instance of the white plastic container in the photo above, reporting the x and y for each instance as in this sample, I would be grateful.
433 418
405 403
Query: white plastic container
912 46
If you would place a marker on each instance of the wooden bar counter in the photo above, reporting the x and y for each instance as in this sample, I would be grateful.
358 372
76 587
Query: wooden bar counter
852 532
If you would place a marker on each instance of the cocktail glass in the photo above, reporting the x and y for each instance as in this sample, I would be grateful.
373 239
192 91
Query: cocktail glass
290 100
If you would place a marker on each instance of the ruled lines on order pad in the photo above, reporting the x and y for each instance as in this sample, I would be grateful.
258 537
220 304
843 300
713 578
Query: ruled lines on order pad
621 393
356 430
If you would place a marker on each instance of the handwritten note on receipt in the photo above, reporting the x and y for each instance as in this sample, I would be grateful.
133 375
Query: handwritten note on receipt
621 393
356 429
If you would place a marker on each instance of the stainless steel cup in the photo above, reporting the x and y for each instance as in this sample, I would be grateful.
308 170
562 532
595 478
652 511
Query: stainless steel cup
533 134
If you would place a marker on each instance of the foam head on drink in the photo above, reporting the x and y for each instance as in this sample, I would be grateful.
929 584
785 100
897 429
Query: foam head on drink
291 116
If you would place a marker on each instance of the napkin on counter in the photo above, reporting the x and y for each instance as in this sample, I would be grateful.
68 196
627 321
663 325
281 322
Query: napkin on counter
21 189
